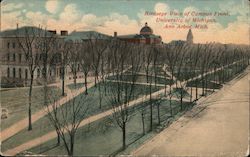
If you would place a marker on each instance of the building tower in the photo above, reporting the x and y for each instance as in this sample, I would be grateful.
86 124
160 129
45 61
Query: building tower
190 37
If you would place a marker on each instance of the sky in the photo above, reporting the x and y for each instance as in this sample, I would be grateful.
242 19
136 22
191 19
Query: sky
128 17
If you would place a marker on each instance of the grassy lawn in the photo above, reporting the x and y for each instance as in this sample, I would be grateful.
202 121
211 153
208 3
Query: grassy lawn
151 69
231 71
143 79
177 93
78 86
210 85
43 126
105 137
16 102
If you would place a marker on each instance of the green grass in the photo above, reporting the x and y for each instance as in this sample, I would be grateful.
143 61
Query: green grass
16 102
231 71
78 86
43 126
105 137
177 92
143 79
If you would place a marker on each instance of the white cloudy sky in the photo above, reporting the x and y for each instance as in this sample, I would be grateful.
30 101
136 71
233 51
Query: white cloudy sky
127 17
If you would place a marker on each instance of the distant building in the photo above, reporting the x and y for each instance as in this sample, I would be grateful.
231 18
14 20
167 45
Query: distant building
181 42
190 37
14 67
146 36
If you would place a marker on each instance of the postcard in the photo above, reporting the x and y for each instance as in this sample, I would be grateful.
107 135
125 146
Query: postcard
124 77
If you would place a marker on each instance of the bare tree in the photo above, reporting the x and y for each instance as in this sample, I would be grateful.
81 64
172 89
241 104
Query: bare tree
64 51
98 44
26 38
47 47
67 119
121 93
86 62
75 48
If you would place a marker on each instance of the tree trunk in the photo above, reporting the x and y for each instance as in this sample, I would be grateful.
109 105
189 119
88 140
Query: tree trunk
203 84
143 123
124 136
58 138
100 96
151 109
71 153
30 96
181 100
147 75
75 79
158 111
191 96
170 104
86 84
196 90
63 84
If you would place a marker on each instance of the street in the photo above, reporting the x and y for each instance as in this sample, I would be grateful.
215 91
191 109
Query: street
217 126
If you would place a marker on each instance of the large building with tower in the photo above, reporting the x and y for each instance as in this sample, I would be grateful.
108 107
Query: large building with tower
145 36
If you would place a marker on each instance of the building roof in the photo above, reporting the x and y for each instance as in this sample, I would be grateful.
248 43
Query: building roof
137 36
146 29
23 31
177 42
84 35
131 36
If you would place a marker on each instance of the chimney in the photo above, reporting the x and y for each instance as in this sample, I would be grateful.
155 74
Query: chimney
52 31
64 33
115 34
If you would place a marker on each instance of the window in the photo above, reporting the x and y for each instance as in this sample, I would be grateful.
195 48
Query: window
14 57
8 45
38 73
26 73
14 45
14 72
20 73
20 57
8 57
8 72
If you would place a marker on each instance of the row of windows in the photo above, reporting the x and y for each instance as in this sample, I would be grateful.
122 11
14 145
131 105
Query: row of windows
14 73
37 57
14 57
13 45
26 73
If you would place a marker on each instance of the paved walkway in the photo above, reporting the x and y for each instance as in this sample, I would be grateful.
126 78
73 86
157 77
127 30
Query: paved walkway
22 124
218 126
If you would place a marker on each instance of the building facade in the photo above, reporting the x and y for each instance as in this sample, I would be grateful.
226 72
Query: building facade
15 70
146 36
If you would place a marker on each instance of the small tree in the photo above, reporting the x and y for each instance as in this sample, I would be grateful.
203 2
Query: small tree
67 118
121 93
27 38
86 62
75 48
